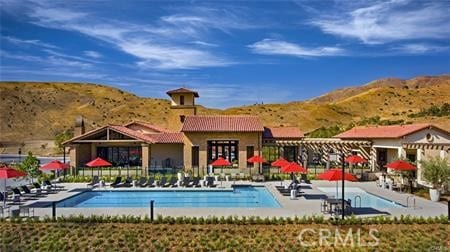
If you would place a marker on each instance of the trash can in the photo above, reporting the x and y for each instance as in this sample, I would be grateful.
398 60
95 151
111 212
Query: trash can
293 194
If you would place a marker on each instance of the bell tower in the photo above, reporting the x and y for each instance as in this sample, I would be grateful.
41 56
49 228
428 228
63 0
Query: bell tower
182 105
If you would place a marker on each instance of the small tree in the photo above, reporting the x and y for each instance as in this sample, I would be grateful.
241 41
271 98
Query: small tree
62 137
436 171
30 165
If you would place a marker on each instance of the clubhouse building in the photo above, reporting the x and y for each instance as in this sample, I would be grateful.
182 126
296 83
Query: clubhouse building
192 142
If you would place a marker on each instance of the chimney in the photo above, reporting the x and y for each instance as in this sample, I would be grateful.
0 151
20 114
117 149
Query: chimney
79 126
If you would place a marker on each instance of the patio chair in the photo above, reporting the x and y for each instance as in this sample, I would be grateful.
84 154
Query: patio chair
233 176
173 182
195 182
95 181
26 196
324 207
241 176
128 182
186 181
116 182
142 182
38 187
163 182
29 192
210 182
54 185
151 182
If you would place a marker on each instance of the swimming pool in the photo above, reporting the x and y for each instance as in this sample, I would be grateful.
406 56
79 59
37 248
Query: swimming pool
245 197
367 199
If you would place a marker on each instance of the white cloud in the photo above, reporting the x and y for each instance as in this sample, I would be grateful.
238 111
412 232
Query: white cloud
29 42
155 46
93 54
278 47
46 61
386 21
421 48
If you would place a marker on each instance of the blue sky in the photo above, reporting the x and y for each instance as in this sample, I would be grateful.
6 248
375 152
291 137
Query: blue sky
231 52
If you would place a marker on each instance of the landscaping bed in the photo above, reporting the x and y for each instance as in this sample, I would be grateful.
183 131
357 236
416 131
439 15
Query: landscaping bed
180 235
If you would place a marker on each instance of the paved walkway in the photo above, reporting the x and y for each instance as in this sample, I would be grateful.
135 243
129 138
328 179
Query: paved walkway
309 204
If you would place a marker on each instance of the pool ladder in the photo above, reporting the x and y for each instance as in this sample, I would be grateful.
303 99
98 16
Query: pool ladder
357 197
413 201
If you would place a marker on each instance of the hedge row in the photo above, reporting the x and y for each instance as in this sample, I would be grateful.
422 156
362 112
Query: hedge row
352 220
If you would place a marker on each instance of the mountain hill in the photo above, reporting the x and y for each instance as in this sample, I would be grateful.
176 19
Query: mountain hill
32 112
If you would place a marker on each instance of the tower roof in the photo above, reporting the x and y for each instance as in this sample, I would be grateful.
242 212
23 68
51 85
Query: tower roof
182 91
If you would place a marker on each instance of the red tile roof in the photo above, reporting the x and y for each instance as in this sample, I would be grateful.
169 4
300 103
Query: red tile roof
391 131
222 123
282 132
167 138
182 91
132 133
148 125
163 137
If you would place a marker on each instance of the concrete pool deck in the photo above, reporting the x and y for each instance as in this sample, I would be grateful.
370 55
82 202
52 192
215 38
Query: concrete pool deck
308 204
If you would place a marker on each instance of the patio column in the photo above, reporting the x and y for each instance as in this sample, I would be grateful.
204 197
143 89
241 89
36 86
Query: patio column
73 156
373 158
401 153
420 155
146 155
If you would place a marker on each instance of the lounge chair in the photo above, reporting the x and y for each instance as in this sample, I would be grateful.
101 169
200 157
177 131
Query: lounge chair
186 181
54 186
116 182
95 181
142 182
25 195
210 182
151 182
173 182
163 182
29 192
194 183
128 182
39 187
15 198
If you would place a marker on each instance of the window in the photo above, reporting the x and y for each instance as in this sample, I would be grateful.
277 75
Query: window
250 153
181 99
121 156
227 149
182 118
195 156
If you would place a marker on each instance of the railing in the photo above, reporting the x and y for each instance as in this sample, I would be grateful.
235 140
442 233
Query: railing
413 201
357 197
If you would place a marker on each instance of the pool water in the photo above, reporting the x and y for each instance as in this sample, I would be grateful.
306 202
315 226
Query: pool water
245 197
367 199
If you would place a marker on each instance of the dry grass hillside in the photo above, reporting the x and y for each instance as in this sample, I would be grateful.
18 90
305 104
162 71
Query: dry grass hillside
390 99
36 111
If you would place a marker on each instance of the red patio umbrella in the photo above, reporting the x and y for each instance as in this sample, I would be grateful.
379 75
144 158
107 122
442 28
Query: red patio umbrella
401 165
54 165
255 159
221 162
355 159
7 173
335 174
294 168
98 162
280 162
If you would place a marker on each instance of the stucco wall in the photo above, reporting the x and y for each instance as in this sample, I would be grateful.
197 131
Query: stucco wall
200 139
188 99
420 137
160 152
